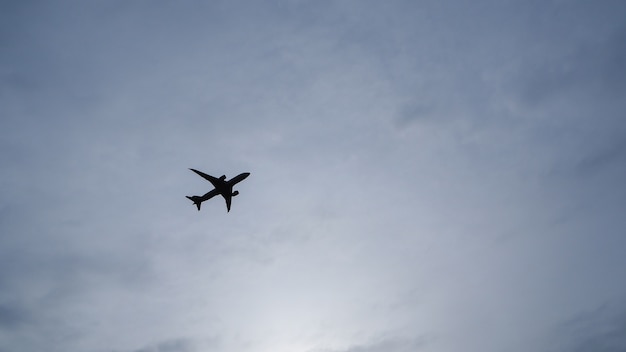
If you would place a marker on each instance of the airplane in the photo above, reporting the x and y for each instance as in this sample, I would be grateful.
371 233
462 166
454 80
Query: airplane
223 187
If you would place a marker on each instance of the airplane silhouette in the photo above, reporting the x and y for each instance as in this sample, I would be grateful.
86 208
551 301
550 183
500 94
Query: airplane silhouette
223 187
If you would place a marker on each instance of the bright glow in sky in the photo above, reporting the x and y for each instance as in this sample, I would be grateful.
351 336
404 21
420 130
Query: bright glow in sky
435 176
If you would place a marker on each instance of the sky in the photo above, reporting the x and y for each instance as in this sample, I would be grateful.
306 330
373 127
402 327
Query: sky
433 176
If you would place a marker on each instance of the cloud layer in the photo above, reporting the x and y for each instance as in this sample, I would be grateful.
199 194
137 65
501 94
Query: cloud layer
432 176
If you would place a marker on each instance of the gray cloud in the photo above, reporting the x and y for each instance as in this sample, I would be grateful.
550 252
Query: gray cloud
602 330
590 71
12 317
428 169
614 155
390 345
173 345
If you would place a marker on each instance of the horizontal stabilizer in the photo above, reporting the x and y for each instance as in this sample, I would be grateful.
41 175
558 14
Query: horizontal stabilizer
196 200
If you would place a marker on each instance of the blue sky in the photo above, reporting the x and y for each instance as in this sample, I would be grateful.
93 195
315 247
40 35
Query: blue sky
425 176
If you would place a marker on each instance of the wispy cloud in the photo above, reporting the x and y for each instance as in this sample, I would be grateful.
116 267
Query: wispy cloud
390 345
418 169
603 330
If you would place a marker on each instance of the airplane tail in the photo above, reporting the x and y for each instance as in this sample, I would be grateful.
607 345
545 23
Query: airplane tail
196 200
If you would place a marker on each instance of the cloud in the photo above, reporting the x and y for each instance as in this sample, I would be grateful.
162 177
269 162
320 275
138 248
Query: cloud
388 345
614 155
601 330
11 317
107 104
173 345
587 70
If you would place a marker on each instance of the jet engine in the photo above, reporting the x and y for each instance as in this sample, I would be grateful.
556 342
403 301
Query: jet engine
235 193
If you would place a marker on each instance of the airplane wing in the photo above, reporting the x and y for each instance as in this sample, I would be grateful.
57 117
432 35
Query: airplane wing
238 178
214 180
227 198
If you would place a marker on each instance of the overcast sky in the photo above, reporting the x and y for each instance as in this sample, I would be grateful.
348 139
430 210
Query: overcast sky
436 176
